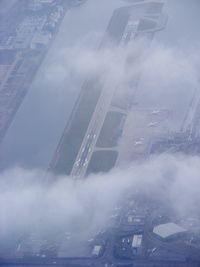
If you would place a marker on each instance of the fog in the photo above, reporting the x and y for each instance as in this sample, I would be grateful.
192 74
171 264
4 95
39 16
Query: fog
169 72
183 22
27 204
38 125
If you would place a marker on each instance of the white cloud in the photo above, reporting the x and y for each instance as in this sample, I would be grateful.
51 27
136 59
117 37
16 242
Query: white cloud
28 202
168 75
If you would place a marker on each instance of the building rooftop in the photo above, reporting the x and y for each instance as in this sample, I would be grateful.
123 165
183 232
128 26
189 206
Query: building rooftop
96 250
168 229
137 241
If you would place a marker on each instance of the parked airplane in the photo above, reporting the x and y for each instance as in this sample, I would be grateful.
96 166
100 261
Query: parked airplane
138 143
153 124
155 112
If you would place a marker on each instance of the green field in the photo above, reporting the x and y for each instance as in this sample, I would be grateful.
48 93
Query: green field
111 129
102 161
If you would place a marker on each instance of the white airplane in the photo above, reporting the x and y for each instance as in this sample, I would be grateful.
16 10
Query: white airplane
138 143
153 124
155 112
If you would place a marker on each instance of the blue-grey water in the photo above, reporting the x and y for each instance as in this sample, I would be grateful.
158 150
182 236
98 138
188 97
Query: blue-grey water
38 125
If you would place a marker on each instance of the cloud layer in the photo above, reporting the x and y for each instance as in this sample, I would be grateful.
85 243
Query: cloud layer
28 203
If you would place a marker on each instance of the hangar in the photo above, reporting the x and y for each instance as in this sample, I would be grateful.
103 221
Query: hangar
168 231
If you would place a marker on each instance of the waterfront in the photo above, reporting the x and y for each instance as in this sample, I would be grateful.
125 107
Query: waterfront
38 124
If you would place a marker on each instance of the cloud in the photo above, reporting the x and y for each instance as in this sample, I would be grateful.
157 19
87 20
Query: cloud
166 72
170 69
29 203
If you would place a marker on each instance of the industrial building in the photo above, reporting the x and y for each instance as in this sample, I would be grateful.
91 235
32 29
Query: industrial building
97 250
134 219
168 231
136 244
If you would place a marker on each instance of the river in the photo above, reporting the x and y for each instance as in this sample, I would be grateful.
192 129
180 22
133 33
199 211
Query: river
37 127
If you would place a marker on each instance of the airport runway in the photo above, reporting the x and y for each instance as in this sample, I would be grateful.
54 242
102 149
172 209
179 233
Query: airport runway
93 131
104 103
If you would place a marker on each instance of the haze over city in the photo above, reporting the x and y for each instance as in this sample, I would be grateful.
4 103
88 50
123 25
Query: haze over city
99 128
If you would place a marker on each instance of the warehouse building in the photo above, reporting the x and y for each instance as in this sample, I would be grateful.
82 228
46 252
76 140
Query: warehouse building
169 231
137 244
97 250
134 219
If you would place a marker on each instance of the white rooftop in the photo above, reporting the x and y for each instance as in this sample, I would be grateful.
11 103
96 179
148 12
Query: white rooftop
96 250
137 241
168 229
